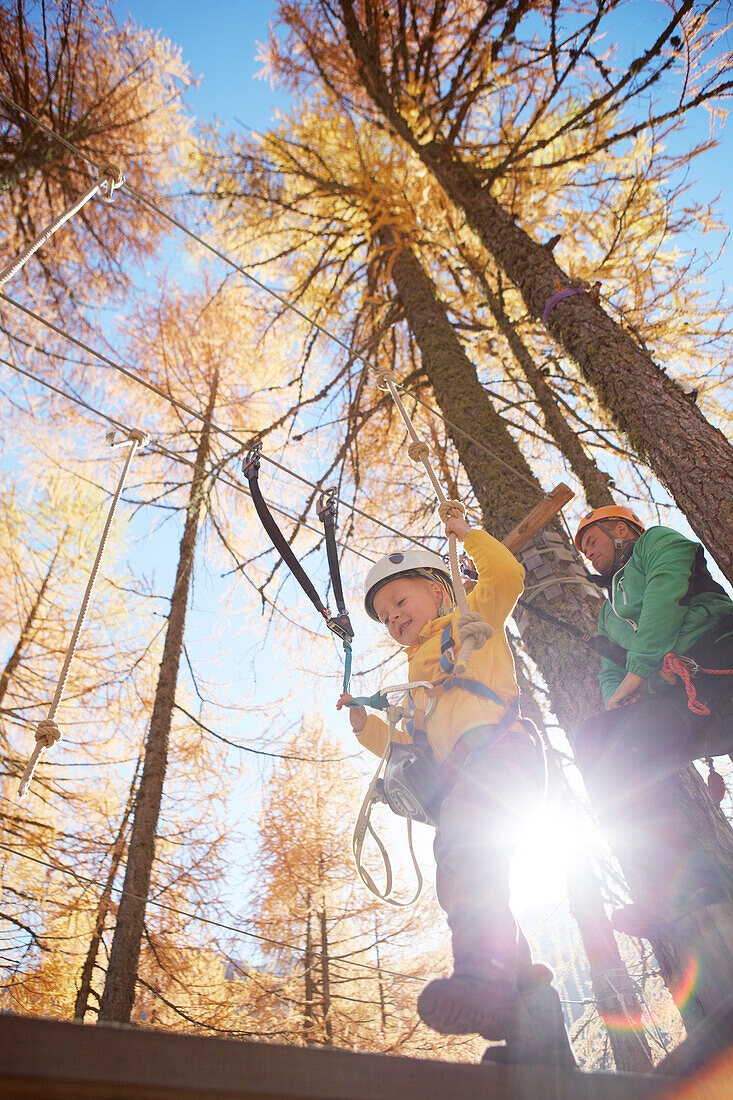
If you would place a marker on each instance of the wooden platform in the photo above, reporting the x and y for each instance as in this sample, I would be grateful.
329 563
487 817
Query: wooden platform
49 1060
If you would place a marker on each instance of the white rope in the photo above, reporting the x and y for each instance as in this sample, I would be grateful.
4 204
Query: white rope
472 629
363 824
47 732
112 179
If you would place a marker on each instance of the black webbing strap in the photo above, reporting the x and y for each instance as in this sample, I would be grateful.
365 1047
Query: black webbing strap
612 651
327 514
251 470
339 624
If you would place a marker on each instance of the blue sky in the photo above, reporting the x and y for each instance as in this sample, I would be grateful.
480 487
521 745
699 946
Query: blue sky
219 40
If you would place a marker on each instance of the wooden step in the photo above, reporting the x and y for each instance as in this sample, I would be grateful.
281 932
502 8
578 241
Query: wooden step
54 1060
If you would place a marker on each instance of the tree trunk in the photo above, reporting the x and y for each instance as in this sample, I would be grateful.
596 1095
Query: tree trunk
325 980
309 984
613 989
27 629
118 848
594 481
119 988
506 489
666 430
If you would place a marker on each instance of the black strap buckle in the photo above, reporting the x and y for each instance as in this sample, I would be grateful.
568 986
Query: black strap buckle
341 626
326 505
251 464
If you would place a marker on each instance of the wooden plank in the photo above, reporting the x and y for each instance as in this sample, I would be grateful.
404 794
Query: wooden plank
538 518
54 1060
710 932
709 1045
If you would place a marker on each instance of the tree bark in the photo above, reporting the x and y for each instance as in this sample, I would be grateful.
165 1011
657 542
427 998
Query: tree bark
506 489
594 481
81 1005
16 656
666 430
119 989
613 989
325 980
309 983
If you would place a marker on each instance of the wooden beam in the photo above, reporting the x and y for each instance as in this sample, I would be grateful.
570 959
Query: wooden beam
52 1059
538 518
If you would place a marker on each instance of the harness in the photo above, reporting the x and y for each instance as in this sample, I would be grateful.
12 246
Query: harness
338 624
408 778
415 724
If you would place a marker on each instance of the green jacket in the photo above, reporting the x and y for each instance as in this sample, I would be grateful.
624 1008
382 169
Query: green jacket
658 605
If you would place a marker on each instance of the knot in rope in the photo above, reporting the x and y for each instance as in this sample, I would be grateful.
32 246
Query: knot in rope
471 627
112 178
451 509
418 450
47 733
384 375
685 669
473 631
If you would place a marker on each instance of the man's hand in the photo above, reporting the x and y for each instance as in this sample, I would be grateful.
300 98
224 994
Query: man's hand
457 526
357 715
628 691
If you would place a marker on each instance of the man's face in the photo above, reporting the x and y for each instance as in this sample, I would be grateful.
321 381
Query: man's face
598 547
407 604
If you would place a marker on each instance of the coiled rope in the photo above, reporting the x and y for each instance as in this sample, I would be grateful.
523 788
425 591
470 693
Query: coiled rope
472 629
47 731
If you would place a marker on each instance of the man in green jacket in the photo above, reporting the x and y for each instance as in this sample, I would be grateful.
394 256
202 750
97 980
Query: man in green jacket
662 712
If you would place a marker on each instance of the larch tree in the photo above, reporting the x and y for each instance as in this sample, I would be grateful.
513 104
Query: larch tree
347 964
437 76
313 179
116 93
204 372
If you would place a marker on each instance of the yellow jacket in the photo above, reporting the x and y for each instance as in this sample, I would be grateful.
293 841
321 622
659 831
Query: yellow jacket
500 583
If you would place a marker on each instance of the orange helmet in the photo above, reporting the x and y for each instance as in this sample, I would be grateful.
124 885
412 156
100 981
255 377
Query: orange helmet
610 512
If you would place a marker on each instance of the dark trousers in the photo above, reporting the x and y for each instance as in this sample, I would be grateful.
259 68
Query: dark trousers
486 800
625 753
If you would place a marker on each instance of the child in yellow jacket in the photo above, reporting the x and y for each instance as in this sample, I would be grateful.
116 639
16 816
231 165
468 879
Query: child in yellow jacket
490 766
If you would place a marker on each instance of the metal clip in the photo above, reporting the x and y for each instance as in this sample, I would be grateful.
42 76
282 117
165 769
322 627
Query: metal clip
326 504
134 435
341 626
111 178
251 464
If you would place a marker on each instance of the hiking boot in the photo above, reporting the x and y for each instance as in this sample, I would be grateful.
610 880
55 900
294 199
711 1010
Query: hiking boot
479 1004
539 1033
643 921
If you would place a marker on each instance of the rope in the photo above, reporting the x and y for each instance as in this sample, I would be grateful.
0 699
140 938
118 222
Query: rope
472 630
686 668
47 732
157 448
181 405
256 282
393 714
109 184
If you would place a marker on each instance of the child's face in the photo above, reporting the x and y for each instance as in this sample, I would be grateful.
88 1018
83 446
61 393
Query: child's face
406 604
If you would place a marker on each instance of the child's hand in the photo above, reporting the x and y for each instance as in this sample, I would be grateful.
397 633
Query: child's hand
457 526
357 715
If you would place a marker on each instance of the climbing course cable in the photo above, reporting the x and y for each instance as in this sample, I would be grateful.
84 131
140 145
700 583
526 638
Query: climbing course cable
473 631
284 301
183 407
157 448
47 731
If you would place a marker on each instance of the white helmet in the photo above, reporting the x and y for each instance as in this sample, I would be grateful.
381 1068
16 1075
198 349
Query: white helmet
413 563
